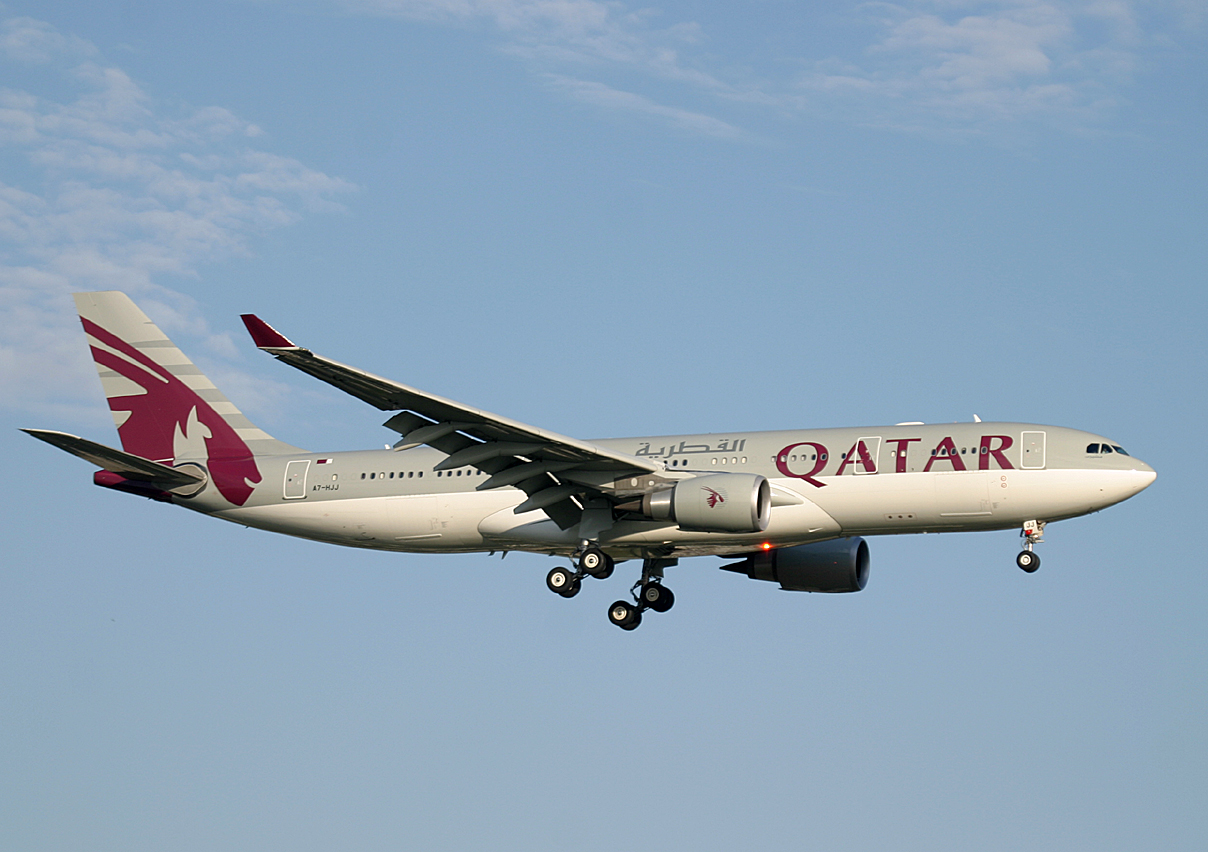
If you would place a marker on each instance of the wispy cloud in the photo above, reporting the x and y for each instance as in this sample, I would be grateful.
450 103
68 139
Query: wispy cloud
981 65
115 193
569 40
942 66
607 97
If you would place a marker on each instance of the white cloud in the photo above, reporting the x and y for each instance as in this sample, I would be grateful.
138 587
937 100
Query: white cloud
601 95
28 40
115 194
981 65
946 66
554 34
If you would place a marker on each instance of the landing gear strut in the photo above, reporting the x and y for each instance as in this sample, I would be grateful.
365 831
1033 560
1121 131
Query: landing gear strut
648 592
1033 533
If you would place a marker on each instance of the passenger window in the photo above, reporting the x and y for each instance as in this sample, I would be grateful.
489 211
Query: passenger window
372 475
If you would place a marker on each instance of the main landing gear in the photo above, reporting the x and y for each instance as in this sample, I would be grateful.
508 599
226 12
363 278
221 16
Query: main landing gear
591 562
648 592
1033 533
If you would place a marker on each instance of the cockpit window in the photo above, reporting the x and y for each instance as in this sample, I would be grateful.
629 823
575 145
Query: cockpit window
1119 450
1092 448
1106 448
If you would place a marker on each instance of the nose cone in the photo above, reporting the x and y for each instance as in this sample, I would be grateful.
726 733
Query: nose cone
1141 478
1128 483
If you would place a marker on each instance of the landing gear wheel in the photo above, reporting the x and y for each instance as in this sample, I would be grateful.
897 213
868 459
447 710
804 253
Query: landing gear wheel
657 597
596 562
562 581
1028 561
625 615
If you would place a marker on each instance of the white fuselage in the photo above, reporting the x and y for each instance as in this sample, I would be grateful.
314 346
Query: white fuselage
825 484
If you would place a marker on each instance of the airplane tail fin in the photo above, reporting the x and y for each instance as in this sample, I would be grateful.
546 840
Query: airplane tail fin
165 409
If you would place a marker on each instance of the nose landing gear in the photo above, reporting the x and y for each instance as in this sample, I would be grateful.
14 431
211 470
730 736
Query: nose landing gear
1032 533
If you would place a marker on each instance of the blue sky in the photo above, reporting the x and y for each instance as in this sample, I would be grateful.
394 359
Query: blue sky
608 219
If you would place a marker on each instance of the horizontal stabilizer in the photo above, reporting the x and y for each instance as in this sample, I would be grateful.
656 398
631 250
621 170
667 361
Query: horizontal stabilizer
116 461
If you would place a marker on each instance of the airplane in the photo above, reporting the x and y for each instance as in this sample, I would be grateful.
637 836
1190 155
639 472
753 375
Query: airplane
791 507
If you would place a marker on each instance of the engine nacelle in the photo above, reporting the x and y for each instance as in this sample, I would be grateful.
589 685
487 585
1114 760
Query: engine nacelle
718 502
828 566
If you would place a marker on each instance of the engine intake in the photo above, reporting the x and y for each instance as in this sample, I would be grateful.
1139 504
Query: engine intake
828 566
719 502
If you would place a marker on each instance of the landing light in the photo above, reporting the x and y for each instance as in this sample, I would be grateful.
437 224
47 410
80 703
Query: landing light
767 546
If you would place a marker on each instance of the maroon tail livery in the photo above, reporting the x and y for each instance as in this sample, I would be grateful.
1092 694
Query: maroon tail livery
165 409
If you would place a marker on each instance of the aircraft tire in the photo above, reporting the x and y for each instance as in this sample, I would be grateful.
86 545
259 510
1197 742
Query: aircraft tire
624 615
657 597
1028 561
605 570
562 581
596 562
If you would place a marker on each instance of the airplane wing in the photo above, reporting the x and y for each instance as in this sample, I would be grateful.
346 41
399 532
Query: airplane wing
116 461
550 468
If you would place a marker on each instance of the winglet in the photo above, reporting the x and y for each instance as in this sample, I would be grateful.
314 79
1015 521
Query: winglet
264 335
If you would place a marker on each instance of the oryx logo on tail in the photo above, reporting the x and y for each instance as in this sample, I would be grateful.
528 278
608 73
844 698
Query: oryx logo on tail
167 419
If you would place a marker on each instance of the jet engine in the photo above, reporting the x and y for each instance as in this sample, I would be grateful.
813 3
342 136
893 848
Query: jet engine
718 502
828 566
